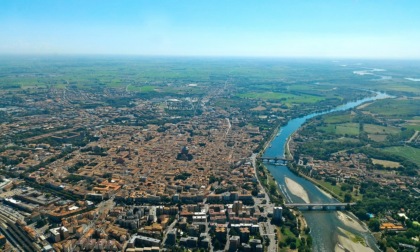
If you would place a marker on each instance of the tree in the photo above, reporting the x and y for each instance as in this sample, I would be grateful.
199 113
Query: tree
309 241
362 214
347 197
346 187
374 225
217 244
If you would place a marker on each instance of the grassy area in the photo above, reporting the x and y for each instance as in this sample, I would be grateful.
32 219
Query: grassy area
410 153
412 126
141 89
378 129
347 128
335 119
346 139
334 189
307 87
60 86
386 163
286 98
343 140
395 108
404 88
377 137
342 129
355 238
283 236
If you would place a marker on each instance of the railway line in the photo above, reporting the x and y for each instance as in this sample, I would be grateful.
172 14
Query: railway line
15 235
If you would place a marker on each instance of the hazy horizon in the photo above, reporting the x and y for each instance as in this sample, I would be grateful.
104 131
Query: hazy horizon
116 56
347 29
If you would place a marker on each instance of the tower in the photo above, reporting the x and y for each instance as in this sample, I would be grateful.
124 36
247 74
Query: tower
277 213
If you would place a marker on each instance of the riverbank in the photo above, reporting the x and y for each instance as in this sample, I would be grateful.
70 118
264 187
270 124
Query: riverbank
325 191
269 140
350 222
350 242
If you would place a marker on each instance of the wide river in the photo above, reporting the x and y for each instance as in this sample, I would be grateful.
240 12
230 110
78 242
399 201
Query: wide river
324 224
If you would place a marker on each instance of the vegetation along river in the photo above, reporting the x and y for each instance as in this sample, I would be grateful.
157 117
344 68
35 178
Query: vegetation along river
325 226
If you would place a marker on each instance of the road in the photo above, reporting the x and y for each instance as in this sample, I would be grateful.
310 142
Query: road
207 231
168 230
266 197
266 228
229 127
102 207
413 137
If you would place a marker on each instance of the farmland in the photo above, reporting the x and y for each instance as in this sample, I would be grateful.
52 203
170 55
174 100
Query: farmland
408 152
386 163
372 126
286 98
398 109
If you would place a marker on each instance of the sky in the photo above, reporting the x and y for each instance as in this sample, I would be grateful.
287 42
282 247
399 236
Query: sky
258 28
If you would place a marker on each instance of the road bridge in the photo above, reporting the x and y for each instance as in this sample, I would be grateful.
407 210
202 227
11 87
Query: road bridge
319 206
267 159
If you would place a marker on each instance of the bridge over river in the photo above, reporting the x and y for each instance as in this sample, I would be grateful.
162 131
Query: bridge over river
319 206
275 160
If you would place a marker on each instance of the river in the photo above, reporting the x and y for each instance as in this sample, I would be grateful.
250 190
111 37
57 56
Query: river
324 225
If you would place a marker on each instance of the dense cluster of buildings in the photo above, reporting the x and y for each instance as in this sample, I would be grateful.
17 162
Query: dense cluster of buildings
64 225
127 178
144 161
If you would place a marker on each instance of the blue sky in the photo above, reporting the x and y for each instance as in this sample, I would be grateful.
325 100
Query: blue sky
281 28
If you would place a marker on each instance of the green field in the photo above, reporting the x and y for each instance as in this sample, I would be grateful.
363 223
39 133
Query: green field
342 129
141 89
377 137
395 108
410 153
412 126
335 119
286 98
404 88
386 163
377 129
343 140
336 190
